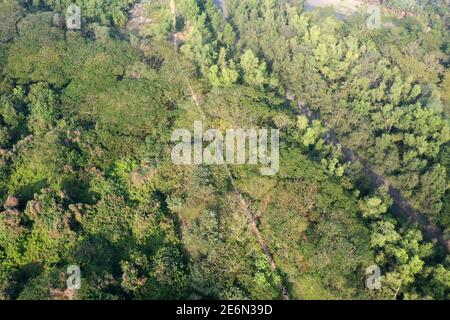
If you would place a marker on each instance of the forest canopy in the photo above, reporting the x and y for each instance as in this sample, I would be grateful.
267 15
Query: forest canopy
87 180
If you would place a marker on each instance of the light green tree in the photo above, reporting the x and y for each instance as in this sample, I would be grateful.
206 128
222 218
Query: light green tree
254 71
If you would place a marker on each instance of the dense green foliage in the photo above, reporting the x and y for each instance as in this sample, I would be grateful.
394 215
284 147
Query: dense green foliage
86 176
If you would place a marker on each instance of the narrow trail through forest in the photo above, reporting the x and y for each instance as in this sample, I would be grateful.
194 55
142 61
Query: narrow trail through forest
135 19
251 218
402 207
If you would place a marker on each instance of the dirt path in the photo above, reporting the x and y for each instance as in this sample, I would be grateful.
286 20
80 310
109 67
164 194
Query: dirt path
342 8
255 230
173 10
251 218
137 17
402 207
137 21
